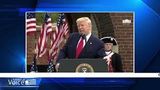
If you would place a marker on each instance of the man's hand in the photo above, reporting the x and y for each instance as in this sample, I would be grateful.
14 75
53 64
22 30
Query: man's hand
108 61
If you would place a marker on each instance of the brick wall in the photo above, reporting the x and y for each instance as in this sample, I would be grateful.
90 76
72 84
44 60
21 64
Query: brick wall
124 37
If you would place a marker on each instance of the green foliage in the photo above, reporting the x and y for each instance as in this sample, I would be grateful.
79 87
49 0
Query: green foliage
40 17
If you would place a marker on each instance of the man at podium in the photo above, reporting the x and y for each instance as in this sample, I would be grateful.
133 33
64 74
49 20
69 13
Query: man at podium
83 44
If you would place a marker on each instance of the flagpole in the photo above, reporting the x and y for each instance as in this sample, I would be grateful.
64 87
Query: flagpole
51 65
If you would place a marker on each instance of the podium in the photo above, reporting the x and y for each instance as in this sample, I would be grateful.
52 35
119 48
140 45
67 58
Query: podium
83 65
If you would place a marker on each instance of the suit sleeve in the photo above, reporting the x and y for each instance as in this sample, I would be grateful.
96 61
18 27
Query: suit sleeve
63 52
101 51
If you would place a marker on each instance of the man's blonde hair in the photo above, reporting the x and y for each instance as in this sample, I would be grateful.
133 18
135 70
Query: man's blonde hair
83 19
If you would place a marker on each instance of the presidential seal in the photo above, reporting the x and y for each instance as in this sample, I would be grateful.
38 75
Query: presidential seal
84 67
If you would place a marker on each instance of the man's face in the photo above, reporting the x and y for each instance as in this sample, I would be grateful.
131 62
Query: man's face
84 27
108 46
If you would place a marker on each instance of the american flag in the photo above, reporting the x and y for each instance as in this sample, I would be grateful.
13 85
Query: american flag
51 67
31 23
45 30
61 30
34 65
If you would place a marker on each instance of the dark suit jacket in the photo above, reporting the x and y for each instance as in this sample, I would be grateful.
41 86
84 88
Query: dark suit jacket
90 50
116 63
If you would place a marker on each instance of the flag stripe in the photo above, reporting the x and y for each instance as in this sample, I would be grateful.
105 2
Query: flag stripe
31 27
30 30
31 22
31 19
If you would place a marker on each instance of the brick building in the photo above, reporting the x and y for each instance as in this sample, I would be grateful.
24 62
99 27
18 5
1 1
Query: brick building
118 25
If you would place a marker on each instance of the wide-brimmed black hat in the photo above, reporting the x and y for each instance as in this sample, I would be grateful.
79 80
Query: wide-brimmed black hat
109 40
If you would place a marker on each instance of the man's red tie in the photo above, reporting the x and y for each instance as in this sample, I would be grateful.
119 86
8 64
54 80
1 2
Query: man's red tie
79 47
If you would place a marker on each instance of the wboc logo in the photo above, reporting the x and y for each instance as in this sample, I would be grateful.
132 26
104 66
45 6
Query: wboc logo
21 82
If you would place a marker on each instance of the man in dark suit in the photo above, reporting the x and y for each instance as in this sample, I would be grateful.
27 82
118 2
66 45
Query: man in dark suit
112 59
82 44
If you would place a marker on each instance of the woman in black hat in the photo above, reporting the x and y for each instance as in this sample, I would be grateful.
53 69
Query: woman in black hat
112 59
